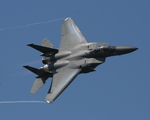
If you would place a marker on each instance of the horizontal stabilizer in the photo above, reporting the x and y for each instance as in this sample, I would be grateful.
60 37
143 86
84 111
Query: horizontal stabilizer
39 72
44 50
38 83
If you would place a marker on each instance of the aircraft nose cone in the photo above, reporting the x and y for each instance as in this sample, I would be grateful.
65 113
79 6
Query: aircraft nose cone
125 49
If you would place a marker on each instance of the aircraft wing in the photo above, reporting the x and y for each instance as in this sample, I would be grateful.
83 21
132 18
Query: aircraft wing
60 81
71 35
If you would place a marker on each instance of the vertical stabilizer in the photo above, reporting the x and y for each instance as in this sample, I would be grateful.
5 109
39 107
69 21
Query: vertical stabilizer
46 43
39 82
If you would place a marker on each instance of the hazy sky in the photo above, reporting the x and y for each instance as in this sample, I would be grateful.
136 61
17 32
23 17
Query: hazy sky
118 90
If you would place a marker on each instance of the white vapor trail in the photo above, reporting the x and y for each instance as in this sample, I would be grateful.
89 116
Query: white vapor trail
4 102
31 24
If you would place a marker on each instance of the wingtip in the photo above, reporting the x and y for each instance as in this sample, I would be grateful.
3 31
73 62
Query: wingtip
49 101
68 18
48 98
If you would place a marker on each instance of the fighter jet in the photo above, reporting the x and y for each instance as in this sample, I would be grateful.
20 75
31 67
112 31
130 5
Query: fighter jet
74 56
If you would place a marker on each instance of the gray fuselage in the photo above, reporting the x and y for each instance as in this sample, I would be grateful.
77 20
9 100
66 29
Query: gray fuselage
86 57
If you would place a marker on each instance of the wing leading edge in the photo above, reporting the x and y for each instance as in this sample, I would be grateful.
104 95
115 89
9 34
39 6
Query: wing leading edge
60 82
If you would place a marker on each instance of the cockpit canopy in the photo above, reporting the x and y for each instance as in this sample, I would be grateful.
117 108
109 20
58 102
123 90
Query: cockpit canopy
103 50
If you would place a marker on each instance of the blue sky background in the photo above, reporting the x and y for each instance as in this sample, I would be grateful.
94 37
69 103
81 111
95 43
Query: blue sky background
118 90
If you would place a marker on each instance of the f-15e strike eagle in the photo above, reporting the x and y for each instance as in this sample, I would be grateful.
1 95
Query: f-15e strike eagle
74 56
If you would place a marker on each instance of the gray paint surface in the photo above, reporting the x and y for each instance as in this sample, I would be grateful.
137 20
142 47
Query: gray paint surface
75 56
